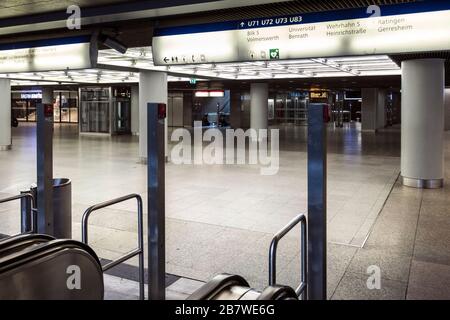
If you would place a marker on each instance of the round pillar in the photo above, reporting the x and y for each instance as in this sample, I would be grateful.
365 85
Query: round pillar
422 156
152 89
5 115
259 104
47 95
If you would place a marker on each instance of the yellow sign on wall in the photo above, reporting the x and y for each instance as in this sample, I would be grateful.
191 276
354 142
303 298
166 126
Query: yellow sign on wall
319 95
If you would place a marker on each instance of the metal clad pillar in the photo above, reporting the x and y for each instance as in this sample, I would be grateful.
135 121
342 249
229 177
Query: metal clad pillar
44 144
317 203
423 148
156 202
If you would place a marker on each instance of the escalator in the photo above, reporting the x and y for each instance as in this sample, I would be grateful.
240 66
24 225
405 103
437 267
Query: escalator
233 287
38 267
21 242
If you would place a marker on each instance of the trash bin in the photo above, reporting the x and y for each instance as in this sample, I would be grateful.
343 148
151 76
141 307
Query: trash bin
62 208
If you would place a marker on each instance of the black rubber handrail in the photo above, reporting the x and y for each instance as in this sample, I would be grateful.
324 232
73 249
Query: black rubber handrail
220 282
47 248
22 241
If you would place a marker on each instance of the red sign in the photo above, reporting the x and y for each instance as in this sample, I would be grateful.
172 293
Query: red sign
48 110
162 112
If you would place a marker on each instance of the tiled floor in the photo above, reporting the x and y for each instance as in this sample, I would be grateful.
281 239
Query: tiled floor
221 218
410 242
122 289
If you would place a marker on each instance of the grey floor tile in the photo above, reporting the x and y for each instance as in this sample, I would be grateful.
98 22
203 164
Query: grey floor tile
393 266
353 286
429 281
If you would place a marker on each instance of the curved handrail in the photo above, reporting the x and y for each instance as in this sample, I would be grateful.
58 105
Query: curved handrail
138 251
302 288
33 210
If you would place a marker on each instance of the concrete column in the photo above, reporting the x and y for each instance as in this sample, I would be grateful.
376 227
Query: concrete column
259 104
369 109
47 95
447 109
152 88
373 109
422 159
5 115
381 109
235 109
187 109
135 110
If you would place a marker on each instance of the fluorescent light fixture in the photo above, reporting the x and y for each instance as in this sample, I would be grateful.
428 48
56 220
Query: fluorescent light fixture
210 94
201 94
259 70
45 56
289 69
218 94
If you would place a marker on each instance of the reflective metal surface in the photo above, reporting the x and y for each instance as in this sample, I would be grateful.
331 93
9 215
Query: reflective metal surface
301 290
44 271
156 203
139 251
32 213
422 183
233 287
317 203
44 169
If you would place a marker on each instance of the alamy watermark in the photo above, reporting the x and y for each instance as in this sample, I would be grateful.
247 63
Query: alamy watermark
74 280
73 22
374 280
227 147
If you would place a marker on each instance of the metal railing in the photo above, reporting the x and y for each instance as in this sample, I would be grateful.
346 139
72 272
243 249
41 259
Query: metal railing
139 251
33 217
302 288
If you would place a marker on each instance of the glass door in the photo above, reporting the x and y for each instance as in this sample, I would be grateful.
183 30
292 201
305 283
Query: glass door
95 110
122 117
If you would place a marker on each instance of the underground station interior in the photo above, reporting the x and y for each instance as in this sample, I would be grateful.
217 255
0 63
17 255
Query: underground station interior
225 150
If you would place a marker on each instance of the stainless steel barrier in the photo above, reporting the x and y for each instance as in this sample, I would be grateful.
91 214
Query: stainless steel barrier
139 251
302 288
33 210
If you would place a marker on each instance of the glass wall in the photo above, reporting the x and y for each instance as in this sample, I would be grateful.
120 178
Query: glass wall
65 106
23 104
95 110
290 107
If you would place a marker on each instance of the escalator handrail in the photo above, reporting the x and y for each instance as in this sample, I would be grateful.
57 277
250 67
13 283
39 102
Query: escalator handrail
24 237
216 285
45 249
21 240
278 293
